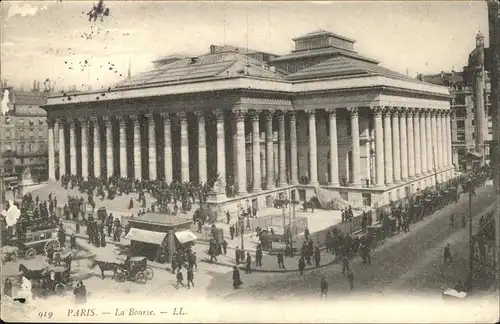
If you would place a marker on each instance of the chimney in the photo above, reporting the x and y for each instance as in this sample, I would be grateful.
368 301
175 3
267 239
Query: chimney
34 86
38 86
442 75
479 39
420 77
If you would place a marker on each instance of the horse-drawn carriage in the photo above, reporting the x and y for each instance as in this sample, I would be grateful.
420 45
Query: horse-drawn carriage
30 244
137 270
60 279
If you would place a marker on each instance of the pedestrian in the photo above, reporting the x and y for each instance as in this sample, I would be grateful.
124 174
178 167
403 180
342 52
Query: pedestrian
72 241
281 264
231 231
447 254
317 257
224 246
452 220
302 265
324 288
459 287
228 216
258 256
345 264
350 278
180 279
193 260
237 255
80 293
174 263
190 278
464 220
236 278
248 263
7 287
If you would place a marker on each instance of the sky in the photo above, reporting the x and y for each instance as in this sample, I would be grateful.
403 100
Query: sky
54 40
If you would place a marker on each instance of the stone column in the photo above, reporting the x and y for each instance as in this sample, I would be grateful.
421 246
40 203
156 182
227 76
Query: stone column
136 129
52 166
270 150
448 132
85 147
356 168
97 147
435 141
257 187
379 146
439 140
184 147
294 170
72 147
62 151
109 146
430 153
423 141
444 140
387 146
282 149
396 154
404 145
167 148
239 116
410 143
202 148
221 145
152 147
334 153
313 155
417 147
123 146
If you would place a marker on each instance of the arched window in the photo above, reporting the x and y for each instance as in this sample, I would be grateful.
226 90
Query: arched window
30 147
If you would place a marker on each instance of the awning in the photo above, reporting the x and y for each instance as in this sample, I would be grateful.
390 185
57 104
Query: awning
151 237
474 155
185 236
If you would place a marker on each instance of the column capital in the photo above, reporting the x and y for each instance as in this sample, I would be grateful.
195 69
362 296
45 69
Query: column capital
280 114
200 116
51 122
94 120
61 120
134 118
83 120
255 115
410 111
182 116
165 116
121 120
377 111
239 114
150 118
353 111
219 115
387 111
268 114
332 112
292 115
396 112
311 113
107 120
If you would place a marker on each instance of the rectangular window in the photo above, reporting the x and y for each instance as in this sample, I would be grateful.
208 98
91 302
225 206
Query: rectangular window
460 137
472 122
460 124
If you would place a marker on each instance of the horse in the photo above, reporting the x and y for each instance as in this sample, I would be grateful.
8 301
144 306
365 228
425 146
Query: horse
32 274
106 266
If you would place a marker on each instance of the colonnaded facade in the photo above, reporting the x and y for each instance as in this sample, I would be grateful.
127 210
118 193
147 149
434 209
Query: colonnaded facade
339 121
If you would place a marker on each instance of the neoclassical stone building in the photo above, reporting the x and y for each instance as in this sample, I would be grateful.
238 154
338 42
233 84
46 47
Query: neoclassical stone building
322 115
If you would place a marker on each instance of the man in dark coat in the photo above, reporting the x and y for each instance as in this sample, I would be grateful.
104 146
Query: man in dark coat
350 278
302 265
180 279
258 256
231 231
61 236
324 288
236 278
228 217
248 263
317 257
281 264
190 277
72 241
80 293
224 246
447 254
237 255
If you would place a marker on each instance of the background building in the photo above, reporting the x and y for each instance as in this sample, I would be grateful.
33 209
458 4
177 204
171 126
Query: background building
471 114
24 134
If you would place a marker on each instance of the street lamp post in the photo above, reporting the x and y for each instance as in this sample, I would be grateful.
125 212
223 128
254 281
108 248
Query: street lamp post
471 253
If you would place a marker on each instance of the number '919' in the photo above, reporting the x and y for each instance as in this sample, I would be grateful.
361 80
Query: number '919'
45 314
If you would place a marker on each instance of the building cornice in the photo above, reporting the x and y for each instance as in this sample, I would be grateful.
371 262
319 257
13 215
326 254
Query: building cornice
254 85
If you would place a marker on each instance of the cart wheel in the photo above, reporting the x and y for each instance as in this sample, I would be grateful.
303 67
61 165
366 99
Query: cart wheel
149 273
13 257
30 254
60 289
140 278
120 277
52 243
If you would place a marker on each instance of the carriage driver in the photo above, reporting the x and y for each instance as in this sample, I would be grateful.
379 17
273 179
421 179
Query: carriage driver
126 264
